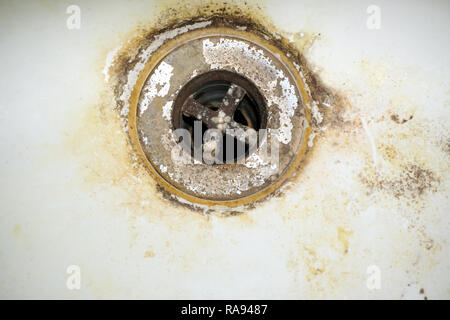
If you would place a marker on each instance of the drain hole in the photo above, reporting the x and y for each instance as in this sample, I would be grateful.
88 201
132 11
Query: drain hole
220 100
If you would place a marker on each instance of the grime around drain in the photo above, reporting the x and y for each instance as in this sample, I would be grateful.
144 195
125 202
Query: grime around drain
240 130
218 110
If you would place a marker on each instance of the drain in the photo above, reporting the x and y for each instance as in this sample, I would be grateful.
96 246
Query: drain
220 100
216 76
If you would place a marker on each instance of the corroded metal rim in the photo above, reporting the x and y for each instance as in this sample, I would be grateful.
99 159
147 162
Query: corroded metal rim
172 44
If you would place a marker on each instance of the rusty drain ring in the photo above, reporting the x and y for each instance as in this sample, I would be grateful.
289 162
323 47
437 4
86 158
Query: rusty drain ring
151 126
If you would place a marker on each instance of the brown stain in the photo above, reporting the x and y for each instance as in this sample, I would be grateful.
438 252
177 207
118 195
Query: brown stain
404 180
396 119
422 292
406 172
313 262
343 235
412 182
390 152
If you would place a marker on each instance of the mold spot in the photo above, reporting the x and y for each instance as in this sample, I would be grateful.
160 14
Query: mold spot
412 182
396 119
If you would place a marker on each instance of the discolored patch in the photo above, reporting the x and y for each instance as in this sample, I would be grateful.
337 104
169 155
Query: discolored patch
412 182
396 119
339 211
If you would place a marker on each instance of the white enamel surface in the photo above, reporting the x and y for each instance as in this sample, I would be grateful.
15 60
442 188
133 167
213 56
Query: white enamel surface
316 241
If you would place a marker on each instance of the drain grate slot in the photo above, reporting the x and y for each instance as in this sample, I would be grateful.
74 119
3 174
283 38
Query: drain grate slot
220 100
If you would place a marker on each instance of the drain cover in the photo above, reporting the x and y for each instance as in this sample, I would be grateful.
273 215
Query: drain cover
218 115
220 100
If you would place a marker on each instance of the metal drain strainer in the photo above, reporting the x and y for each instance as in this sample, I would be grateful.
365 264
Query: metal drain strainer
220 78
224 101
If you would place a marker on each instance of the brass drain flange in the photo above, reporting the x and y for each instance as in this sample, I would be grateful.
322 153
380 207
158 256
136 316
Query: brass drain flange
277 100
